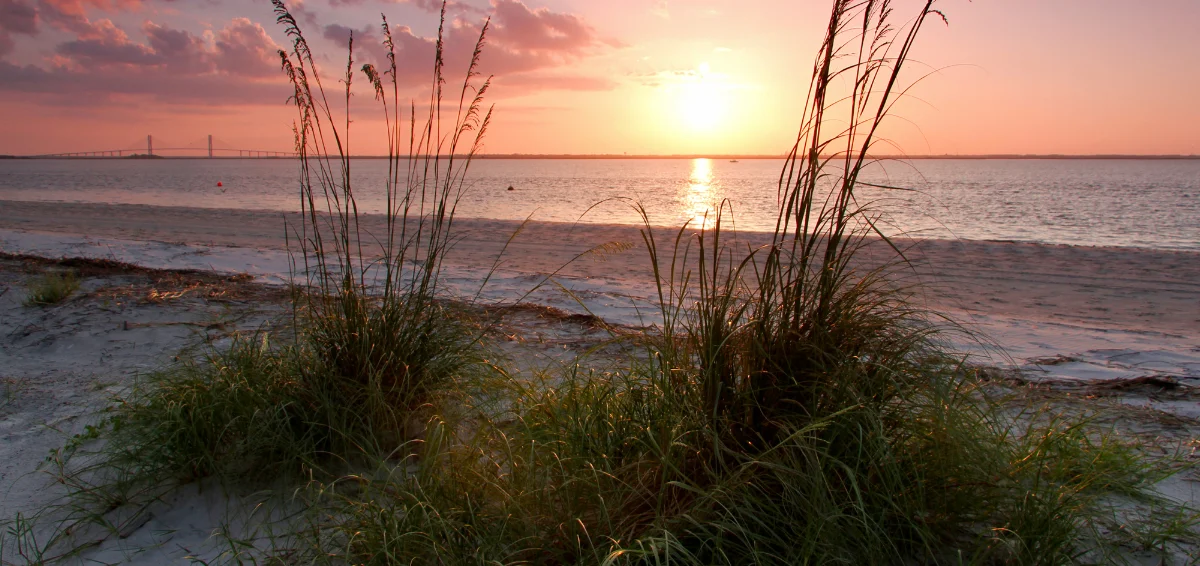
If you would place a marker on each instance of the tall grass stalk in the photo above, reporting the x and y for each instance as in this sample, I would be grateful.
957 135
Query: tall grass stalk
785 335
377 321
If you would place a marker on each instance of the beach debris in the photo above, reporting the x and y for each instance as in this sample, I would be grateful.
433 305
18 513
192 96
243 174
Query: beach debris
127 325
1160 382
510 187
1054 360
134 523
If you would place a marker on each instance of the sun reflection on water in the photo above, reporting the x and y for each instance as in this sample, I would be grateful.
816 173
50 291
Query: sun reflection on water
701 195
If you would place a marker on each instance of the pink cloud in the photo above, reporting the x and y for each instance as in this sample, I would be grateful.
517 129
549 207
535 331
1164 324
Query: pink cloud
16 17
102 44
244 48
239 63
431 6
520 41
173 66
77 6
522 29
71 15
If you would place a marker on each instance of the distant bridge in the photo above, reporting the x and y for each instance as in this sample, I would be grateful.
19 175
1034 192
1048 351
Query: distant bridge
213 148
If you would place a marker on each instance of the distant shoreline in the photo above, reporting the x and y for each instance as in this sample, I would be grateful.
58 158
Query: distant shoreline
519 156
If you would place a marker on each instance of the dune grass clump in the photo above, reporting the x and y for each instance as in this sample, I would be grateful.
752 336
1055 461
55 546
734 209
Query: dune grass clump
51 288
375 342
373 316
374 346
619 468
250 411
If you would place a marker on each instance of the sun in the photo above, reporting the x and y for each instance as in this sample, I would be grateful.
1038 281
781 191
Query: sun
702 102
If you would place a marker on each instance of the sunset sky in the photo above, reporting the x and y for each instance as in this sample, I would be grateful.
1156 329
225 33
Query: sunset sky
612 76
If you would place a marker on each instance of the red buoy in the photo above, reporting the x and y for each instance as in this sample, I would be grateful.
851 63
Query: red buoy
220 184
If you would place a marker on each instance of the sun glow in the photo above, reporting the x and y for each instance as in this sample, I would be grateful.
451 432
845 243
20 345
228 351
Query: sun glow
702 101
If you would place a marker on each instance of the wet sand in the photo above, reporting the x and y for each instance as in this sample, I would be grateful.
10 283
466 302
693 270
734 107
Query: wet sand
1130 289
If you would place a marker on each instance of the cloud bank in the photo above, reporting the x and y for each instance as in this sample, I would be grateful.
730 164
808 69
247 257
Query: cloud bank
161 61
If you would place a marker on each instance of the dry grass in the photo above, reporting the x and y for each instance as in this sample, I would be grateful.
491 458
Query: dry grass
148 285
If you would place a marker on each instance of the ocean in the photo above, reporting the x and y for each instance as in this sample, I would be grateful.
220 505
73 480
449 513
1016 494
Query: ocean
1118 202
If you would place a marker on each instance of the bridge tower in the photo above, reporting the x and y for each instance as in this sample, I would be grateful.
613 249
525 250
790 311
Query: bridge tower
149 145
210 146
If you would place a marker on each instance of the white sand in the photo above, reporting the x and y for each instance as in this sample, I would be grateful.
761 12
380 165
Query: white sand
60 366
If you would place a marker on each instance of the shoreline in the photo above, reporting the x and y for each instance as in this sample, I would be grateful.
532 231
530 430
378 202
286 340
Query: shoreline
33 215
1118 312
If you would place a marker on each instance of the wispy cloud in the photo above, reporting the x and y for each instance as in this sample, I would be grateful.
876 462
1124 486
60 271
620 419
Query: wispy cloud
661 9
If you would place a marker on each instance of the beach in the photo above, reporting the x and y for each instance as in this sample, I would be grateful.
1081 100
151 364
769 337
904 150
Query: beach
1069 322
1111 308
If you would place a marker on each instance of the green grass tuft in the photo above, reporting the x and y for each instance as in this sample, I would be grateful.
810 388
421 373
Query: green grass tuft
51 288
254 411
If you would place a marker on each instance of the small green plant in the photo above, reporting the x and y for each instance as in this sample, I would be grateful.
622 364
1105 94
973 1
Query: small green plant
51 288
9 389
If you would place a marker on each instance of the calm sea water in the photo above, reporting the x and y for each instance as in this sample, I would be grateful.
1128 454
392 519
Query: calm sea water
1150 203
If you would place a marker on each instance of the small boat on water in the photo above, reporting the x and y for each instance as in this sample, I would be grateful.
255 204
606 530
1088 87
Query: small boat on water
733 161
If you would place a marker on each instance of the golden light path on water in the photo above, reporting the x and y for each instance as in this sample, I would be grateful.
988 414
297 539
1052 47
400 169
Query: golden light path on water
700 198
